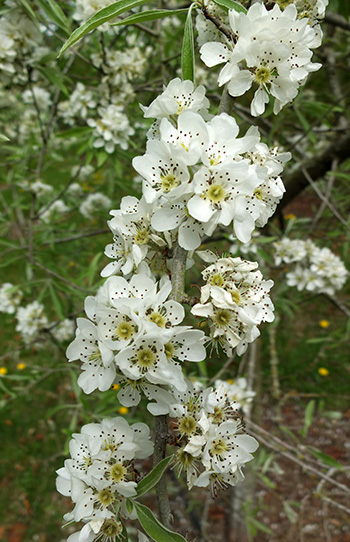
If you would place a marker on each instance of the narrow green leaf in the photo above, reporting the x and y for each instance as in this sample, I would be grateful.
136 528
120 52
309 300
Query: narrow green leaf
326 459
153 477
290 512
30 11
76 132
260 526
60 15
153 527
151 15
309 411
101 17
305 124
56 302
54 14
55 77
3 138
187 53
93 267
231 4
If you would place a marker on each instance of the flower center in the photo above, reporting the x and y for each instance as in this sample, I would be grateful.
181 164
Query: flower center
187 425
258 194
222 318
236 298
216 280
218 415
157 318
262 75
169 182
169 350
111 528
105 496
118 472
218 447
124 331
215 193
96 356
145 357
142 237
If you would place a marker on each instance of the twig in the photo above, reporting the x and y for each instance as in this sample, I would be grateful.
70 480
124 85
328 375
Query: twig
302 464
324 198
59 277
75 237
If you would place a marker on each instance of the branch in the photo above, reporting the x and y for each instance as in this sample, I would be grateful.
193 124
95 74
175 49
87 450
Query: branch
317 167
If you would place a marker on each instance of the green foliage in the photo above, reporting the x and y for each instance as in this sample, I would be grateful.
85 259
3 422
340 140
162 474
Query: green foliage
153 527
103 16
187 53
151 15
153 477
231 4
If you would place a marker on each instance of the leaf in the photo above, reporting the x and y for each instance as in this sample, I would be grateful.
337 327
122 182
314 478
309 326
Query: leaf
76 132
93 267
187 52
260 526
306 125
3 138
231 4
326 459
101 17
153 477
309 411
290 512
153 527
55 77
149 16
55 14
30 12
56 302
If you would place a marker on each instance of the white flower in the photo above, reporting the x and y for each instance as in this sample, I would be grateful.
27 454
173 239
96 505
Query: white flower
98 363
64 331
271 49
99 475
38 96
93 204
164 175
10 297
177 97
111 128
31 320
235 299
49 213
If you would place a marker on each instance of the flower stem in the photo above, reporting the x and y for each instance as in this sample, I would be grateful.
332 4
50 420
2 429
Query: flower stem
161 424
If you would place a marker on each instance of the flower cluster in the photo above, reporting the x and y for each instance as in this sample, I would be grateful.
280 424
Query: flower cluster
270 49
134 338
10 298
31 319
316 269
238 392
100 475
213 446
197 175
235 301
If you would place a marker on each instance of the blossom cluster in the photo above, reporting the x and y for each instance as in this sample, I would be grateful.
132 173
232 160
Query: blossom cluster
270 49
212 444
31 318
235 300
133 338
314 269
197 175
100 476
